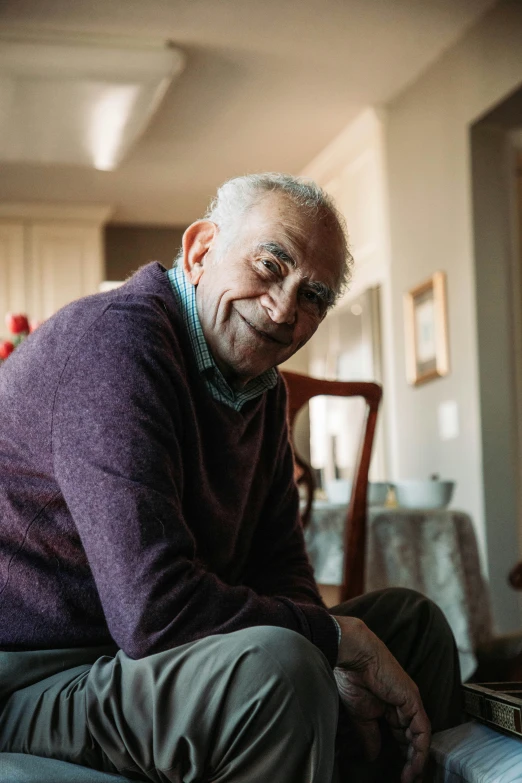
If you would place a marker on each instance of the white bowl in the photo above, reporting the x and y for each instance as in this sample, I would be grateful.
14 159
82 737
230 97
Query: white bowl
338 491
415 493
377 493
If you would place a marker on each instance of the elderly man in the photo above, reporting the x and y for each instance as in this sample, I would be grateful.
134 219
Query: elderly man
159 617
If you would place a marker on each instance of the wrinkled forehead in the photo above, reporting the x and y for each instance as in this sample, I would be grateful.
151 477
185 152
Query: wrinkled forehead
311 237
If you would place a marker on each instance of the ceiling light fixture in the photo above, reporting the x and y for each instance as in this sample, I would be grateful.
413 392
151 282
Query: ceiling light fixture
79 102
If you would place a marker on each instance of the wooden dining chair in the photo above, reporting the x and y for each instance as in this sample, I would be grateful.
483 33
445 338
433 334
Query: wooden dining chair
301 388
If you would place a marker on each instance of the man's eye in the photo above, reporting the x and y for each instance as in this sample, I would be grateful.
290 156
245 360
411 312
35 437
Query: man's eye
271 265
312 297
314 302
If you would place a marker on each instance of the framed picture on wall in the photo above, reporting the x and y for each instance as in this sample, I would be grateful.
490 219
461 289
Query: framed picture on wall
426 330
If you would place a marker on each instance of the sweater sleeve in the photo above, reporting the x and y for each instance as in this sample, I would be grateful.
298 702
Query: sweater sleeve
117 443
279 564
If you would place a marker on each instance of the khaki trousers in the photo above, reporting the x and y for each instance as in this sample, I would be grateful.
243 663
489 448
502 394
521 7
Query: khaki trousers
254 706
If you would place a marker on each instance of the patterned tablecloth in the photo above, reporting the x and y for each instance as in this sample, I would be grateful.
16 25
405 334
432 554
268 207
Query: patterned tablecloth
432 551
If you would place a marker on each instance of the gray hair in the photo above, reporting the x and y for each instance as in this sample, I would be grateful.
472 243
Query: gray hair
238 195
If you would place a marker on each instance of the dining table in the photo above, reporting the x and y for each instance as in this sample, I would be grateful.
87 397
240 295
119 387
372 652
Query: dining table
433 551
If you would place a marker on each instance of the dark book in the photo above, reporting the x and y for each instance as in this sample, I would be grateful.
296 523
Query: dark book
498 704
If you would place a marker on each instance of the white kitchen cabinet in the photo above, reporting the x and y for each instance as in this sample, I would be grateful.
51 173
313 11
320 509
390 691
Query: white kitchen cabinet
50 254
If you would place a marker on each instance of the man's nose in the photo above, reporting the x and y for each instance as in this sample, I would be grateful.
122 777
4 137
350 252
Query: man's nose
281 305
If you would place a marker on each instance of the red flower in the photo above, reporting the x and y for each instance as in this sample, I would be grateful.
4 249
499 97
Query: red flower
6 348
17 324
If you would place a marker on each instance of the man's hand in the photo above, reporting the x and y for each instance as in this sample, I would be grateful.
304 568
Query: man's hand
372 684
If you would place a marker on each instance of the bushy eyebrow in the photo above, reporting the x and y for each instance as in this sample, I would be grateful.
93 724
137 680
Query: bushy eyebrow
275 249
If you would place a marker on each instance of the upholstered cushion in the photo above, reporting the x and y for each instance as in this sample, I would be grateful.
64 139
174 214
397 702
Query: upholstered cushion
22 768
474 753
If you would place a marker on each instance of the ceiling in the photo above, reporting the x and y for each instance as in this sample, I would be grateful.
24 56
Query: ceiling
266 86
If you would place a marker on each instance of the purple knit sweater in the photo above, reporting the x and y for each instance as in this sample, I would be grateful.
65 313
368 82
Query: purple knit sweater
134 508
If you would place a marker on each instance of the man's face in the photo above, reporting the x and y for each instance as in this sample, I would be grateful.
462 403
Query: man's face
264 296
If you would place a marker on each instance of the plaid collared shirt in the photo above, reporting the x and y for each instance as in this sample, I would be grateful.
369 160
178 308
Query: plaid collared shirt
185 295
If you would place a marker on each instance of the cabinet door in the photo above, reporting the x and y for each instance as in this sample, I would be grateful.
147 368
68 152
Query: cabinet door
65 262
12 271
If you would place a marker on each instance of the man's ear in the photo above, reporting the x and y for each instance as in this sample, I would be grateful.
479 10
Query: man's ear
197 241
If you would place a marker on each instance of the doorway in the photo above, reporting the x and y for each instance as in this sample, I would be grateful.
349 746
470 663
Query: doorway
496 146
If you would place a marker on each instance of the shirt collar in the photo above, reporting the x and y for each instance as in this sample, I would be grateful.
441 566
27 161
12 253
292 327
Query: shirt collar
185 296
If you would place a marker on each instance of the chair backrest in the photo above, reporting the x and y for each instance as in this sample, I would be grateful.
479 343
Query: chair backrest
301 388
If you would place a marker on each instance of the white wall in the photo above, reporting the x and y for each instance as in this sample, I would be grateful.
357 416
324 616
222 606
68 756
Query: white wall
430 198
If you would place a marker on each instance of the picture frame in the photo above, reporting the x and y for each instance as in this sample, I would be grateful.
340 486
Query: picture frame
426 331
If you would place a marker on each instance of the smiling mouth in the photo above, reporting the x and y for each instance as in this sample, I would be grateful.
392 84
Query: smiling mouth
265 335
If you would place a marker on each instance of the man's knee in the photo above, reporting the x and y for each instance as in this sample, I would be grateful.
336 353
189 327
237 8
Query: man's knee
412 607
422 611
404 619
272 686
225 695
273 648
292 664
